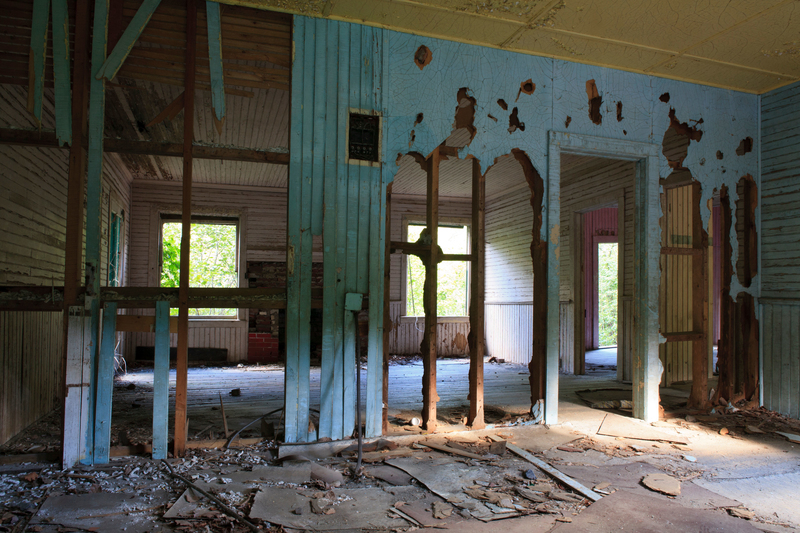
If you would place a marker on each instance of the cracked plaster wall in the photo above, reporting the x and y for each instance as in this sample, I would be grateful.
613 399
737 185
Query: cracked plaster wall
490 74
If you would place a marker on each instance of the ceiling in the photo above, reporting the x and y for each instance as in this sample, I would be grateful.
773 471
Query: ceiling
746 45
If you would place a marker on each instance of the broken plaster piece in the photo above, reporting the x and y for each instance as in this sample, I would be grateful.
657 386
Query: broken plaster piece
662 483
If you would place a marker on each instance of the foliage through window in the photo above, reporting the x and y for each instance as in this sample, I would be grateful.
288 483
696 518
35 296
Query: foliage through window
213 255
115 226
451 287
607 280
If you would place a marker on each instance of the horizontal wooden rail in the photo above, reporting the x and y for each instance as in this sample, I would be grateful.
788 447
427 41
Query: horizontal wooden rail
47 139
683 336
671 250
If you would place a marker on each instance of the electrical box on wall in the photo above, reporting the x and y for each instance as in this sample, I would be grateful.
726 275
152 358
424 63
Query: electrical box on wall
364 134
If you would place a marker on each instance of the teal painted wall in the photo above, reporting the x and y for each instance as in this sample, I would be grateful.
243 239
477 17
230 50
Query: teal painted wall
780 249
340 65
337 67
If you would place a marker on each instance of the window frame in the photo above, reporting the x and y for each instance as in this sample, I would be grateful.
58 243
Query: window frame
116 208
412 220
161 214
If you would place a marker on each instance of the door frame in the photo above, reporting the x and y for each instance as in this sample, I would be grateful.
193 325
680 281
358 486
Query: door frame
647 238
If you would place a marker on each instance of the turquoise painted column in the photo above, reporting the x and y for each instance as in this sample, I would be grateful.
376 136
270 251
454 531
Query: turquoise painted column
94 187
161 382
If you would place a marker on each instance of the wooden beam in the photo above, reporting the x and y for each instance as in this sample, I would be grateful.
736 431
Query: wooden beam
429 396
38 53
698 397
682 336
120 52
477 344
669 250
75 190
61 72
186 220
145 323
215 62
47 139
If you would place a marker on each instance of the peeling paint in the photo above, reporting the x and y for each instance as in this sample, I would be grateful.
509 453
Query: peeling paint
567 121
465 114
555 233
419 119
719 154
619 112
664 98
745 146
595 102
423 57
492 117
502 103
683 128
514 123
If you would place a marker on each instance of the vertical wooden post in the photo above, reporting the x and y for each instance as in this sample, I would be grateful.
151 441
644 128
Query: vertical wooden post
105 385
186 220
387 318
429 396
698 397
74 228
477 346
94 189
161 382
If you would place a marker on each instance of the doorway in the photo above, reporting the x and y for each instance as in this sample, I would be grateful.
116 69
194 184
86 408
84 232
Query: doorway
600 279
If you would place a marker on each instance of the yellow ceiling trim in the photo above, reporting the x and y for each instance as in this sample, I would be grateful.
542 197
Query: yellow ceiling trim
720 33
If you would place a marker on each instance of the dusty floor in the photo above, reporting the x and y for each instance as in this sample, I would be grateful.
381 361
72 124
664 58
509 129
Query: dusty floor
727 464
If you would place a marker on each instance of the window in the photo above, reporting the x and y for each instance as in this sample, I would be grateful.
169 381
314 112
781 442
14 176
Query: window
115 227
213 253
453 282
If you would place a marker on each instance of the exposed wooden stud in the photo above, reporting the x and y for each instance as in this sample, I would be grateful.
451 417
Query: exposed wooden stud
61 71
38 52
120 52
477 344
186 221
161 381
387 320
698 397
428 348
105 385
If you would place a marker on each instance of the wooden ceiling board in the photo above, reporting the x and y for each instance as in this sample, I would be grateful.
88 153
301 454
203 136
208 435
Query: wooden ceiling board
667 25
583 49
718 75
778 51
650 37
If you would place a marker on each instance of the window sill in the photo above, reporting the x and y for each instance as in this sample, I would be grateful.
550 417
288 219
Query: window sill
216 322
439 320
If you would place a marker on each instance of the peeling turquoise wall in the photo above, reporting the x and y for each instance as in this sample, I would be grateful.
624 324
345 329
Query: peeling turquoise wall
402 90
